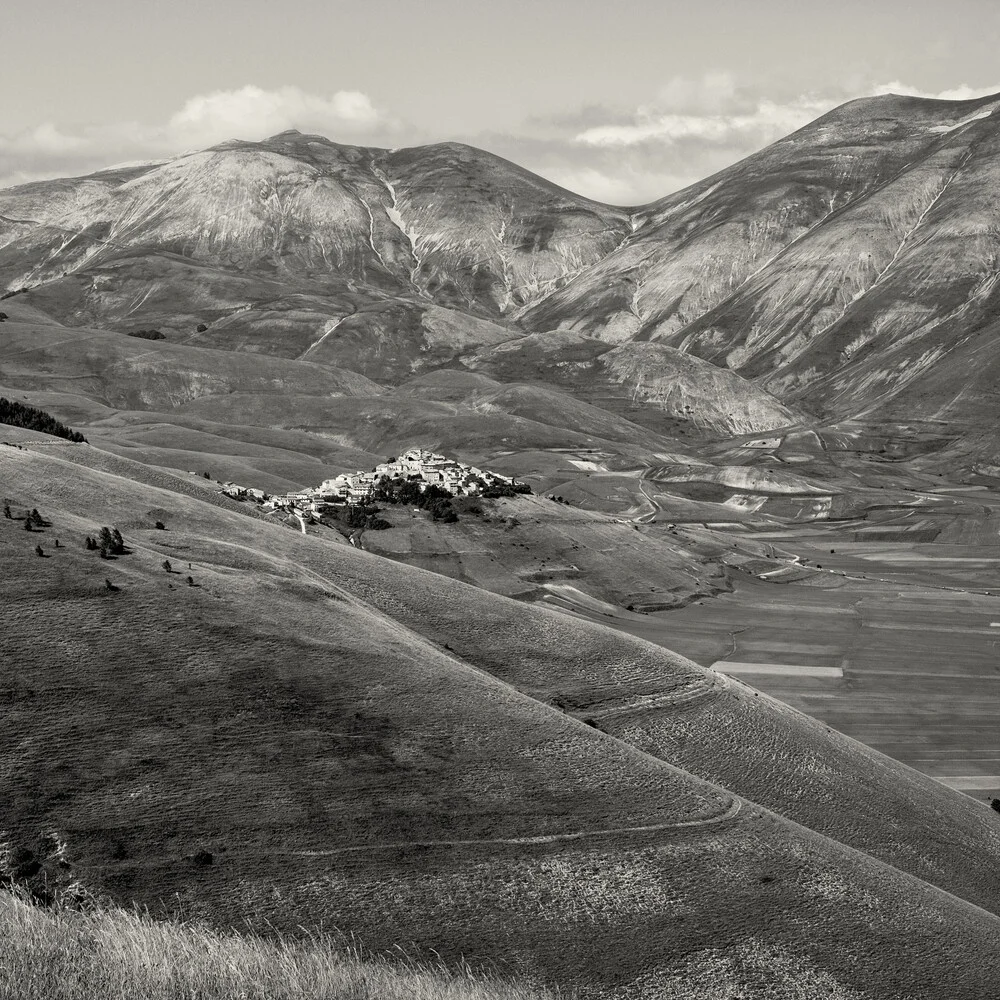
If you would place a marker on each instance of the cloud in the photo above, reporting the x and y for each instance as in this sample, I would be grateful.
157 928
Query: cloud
961 93
713 109
253 113
690 128
245 113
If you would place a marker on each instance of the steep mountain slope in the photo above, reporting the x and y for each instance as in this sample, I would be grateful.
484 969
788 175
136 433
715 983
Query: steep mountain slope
446 225
320 760
695 249
835 268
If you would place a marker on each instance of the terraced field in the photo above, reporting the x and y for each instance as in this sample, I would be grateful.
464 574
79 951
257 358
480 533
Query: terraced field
887 630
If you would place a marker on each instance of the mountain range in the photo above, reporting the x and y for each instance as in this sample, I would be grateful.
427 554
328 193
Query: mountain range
847 271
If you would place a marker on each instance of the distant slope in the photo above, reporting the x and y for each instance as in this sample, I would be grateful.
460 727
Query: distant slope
654 385
131 373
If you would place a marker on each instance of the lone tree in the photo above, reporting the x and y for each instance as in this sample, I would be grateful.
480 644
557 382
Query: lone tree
995 805
166 565
39 551
27 524
6 512
160 526
190 581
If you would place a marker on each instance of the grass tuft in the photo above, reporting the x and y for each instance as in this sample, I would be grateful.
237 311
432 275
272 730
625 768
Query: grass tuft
99 954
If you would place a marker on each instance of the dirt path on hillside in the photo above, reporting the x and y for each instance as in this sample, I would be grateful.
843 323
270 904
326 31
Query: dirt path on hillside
731 812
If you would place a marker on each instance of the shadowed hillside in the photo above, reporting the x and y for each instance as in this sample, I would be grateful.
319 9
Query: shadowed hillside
272 761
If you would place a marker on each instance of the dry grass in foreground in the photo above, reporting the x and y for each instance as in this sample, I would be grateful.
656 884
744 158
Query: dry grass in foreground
63 954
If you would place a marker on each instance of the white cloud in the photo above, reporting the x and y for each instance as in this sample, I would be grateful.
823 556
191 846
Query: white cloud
689 129
245 113
713 109
961 93
253 113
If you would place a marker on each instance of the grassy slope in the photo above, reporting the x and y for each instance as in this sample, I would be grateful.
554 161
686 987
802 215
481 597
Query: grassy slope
552 546
131 373
268 719
264 421
747 742
109 954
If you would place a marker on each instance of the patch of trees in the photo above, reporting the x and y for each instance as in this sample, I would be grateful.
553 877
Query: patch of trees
435 500
109 543
18 415
495 489
355 517
32 520
995 805
147 335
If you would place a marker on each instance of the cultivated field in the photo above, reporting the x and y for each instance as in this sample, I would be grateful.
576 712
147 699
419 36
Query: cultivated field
892 642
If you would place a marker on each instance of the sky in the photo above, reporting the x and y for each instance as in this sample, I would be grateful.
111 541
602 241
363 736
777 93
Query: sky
624 103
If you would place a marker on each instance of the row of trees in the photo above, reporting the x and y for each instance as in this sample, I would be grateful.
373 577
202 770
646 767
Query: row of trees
19 415
147 335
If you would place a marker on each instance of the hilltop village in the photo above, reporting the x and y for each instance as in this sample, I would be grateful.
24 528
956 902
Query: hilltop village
422 468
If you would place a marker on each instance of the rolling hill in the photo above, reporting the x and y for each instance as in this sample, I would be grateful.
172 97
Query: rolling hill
313 734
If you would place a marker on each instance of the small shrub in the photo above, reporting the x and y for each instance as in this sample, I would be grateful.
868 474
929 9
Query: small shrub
201 328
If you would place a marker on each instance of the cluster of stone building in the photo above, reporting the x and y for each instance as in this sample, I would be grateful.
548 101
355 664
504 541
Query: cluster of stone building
423 467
